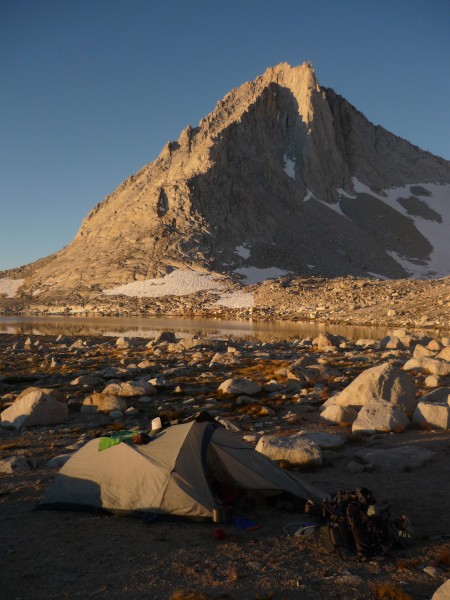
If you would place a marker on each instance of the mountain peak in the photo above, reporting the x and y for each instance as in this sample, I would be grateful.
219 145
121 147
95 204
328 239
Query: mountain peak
283 174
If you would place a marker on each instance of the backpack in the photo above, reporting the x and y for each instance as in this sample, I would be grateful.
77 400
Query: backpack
354 524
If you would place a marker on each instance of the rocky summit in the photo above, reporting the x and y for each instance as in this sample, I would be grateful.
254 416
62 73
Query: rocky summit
283 177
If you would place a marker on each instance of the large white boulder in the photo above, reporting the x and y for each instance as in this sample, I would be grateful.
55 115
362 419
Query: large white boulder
429 365
386 382
295 449
239 386
35 406
380 415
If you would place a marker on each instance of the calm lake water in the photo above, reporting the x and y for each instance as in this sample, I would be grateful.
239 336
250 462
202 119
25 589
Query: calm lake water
152 326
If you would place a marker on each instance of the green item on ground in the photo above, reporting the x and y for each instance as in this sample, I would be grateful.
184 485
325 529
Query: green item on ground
117 437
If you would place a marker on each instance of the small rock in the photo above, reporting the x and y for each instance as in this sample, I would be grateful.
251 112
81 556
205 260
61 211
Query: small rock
355 467
434 572
14 464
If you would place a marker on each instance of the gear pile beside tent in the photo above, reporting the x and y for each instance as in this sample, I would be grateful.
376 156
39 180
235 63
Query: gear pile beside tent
186 470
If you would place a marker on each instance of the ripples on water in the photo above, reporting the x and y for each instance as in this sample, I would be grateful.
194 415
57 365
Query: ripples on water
152 326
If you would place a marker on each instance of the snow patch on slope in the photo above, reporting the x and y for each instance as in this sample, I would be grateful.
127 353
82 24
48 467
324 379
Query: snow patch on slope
242 251
236 300
177 283
182 283
438 234
10 287
289 166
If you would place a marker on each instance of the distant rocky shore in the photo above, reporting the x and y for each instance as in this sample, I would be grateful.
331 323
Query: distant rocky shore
347 300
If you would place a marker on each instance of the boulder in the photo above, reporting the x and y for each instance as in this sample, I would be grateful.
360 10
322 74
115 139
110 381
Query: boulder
433 381
88 380
344 415
380 415
366 343
295 449
396 459
391 342
237 386
429 365
14 464
435 345
326 341
223 358
296 369
166 336
145 364
432 414
35 406
122 343
422 352
386 382
103 402
444 354
325 441
130 389
443 592
308 370
439 395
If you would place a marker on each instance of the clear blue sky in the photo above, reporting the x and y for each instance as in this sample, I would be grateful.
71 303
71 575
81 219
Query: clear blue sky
91 90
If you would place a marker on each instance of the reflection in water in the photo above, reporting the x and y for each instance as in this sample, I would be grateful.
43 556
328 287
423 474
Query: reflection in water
152 326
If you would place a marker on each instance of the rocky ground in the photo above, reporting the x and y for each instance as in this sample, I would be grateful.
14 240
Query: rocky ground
399 303
52 555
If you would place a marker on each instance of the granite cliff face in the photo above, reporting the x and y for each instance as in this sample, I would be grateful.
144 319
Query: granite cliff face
283 174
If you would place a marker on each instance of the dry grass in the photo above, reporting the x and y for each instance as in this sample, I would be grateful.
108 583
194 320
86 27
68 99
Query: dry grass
407 564
118 426
261 371
253 410
443 558
14 445
189 595
388 591
171 415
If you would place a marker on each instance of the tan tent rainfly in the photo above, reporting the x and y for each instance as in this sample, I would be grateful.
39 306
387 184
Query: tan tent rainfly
172 474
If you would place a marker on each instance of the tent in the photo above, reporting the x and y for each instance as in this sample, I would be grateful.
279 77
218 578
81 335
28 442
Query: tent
174 474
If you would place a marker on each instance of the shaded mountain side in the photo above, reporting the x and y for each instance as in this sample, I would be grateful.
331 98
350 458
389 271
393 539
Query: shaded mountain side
271 169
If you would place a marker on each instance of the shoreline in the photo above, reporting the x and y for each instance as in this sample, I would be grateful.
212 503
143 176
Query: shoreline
418 304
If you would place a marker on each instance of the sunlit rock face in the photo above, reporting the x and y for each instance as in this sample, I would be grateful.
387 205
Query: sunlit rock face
283 176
